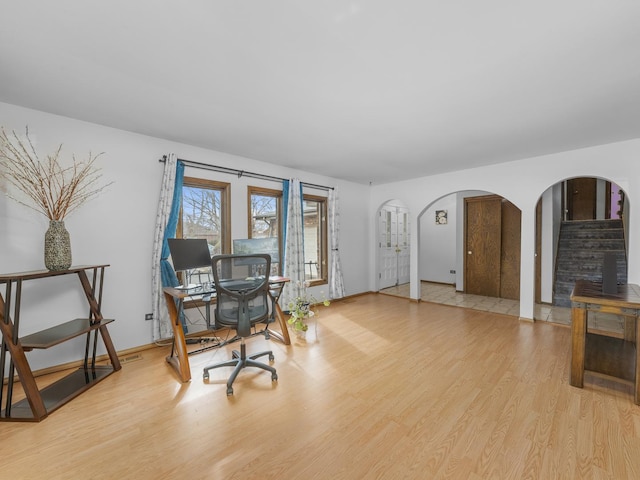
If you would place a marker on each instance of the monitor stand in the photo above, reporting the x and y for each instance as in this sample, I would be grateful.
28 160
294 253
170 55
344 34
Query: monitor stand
187 286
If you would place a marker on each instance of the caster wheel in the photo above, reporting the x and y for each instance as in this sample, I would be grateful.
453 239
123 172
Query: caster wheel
271 357
274 377
229 392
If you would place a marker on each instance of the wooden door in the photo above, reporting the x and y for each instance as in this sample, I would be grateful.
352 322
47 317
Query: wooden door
581 198
510 251
483 238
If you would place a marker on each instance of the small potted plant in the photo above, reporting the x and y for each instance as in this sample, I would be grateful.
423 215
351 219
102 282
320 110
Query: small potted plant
301 308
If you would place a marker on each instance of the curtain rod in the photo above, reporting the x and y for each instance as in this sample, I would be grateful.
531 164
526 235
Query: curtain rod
241 173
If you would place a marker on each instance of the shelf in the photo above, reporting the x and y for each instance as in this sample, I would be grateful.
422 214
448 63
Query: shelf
8 277
61 333
59 392
39 403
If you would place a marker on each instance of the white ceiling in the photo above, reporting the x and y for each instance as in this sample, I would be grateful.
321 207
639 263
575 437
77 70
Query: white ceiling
369 91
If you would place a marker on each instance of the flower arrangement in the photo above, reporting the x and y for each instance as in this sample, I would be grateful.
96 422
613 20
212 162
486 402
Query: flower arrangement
53 190
301 307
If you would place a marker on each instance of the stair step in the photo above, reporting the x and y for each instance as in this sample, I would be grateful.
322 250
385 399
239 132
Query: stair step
594 276
562 302
592 253
579 262
574 264
592 233
592 243
593 224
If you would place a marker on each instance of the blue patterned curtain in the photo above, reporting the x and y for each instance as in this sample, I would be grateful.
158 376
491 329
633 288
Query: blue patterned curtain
162 273
169 278
285 208
293 242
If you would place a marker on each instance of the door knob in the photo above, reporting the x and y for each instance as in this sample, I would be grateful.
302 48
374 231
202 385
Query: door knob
469 252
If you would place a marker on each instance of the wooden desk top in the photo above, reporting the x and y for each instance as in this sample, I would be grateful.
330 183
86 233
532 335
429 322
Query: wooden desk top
278 279
628 295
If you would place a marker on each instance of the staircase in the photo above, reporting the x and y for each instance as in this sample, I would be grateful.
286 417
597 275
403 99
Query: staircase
581 249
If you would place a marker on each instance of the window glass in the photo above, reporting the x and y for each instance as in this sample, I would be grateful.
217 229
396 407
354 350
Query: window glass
315 238
405 231
204 213
264 218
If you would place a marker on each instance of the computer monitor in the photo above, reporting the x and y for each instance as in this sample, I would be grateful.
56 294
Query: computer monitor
267 245
189 253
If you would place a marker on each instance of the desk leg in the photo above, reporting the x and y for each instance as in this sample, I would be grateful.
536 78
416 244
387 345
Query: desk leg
578 341
284 336
275 290
180 361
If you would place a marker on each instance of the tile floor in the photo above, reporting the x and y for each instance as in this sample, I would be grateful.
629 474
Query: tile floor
446 294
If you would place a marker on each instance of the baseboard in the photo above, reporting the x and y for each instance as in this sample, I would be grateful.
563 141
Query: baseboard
453 284
124 356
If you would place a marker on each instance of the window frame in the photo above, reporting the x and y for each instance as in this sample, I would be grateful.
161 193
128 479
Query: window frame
225 220
323 226
225 208
322 237
267 192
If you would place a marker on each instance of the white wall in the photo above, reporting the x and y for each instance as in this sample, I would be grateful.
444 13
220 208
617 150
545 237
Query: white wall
438 242
522 182
117 227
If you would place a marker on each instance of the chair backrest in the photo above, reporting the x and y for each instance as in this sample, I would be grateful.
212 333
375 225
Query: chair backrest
242 290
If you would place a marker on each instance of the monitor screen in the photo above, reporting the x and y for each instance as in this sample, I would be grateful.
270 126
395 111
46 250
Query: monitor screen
258 245
188 253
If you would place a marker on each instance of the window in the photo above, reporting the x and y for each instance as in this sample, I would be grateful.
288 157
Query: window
265 220
205 213
265 206
314 210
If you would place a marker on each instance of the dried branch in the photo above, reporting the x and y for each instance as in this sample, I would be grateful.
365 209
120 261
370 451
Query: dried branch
52 189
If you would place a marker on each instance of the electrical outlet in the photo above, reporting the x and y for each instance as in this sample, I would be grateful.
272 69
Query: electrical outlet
452 271
148 316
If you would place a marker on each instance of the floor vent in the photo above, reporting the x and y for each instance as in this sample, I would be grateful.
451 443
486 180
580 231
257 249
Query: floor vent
130 358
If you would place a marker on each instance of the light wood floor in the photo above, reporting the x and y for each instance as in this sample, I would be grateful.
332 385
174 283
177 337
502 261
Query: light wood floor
387 389
447 294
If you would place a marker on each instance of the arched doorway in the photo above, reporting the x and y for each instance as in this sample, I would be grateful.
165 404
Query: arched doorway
441 233
577 221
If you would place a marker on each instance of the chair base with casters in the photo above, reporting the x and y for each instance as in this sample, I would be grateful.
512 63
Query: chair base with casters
240 360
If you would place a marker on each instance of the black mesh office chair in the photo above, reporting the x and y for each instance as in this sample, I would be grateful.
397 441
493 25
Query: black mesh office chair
242 291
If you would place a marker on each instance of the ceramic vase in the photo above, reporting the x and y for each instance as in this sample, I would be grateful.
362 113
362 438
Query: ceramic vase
57 246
